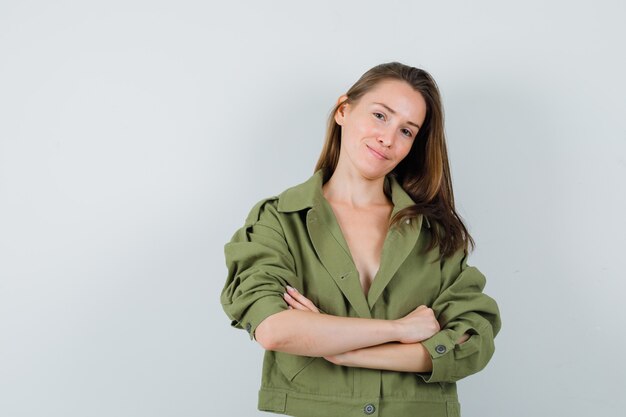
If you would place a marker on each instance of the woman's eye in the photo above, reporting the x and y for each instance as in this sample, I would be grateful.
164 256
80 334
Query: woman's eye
407 133
382 117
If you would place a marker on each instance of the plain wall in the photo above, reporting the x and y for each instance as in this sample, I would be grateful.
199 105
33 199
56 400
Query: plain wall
135 136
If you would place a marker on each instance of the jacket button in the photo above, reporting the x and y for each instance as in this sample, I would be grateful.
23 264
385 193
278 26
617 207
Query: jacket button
440 349
369 409
248 327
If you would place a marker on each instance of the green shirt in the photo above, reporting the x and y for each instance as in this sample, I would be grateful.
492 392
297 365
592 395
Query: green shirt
294 239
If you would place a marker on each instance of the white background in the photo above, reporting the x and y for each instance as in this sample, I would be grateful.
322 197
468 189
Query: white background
136 135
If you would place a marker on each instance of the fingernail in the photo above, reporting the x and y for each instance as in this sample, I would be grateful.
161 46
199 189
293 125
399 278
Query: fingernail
290 288
286 295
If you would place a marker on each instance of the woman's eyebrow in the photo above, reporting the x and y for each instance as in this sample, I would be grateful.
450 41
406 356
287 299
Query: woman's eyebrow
392 111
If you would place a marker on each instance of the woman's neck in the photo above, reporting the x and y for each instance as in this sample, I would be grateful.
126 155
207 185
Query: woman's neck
349 187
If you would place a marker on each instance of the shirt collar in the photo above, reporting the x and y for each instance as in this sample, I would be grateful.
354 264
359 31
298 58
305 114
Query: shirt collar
309 193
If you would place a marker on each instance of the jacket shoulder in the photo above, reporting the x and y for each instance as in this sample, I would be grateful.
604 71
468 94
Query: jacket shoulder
291 199
262 205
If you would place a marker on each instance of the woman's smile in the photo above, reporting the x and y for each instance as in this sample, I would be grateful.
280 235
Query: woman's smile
377 154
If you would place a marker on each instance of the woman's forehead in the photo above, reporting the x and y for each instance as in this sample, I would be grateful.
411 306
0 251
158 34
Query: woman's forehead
397 95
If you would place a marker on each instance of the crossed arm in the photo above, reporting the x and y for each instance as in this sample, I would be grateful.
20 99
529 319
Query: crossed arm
368 343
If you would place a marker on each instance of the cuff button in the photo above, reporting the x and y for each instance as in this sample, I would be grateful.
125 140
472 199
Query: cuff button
440 349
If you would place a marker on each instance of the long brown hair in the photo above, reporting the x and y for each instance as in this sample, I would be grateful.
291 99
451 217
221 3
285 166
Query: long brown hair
424 173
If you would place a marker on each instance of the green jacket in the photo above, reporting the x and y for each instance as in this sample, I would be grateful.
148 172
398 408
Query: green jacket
294 239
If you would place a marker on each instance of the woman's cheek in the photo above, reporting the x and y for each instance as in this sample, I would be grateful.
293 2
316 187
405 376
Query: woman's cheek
406 147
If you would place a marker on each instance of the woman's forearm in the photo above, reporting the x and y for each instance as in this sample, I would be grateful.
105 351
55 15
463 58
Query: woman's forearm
302 330
312 334
402 357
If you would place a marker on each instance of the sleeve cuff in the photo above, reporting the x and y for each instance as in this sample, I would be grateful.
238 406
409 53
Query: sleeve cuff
452 362
259 311
441 350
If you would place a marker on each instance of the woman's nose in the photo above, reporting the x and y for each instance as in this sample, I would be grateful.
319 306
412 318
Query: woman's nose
385 137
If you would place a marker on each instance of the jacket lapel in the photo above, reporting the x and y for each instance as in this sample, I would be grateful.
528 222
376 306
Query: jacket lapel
332 251
326 237
399 243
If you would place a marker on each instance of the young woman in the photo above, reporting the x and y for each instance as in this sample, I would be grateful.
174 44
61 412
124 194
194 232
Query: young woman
356 281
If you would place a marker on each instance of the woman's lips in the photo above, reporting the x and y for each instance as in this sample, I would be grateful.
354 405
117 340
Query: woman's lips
376 154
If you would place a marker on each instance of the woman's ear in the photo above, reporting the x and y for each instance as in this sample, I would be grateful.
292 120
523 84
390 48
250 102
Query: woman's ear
340 113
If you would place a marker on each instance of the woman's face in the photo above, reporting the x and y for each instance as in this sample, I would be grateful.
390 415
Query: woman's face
378 131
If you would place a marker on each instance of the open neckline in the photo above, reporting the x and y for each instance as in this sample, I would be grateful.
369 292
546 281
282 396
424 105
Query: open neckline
338 234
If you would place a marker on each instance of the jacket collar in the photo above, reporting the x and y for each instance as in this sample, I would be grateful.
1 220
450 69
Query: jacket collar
309 194
303 195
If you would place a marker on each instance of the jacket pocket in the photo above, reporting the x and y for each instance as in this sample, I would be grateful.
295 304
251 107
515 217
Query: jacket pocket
314 375
292 365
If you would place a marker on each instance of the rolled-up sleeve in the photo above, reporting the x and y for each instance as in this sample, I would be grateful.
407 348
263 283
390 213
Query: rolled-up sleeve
461 307
260 265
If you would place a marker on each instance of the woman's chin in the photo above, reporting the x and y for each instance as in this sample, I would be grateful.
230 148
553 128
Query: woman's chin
374 171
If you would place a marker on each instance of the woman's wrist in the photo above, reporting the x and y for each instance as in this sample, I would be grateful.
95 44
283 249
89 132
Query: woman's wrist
397 331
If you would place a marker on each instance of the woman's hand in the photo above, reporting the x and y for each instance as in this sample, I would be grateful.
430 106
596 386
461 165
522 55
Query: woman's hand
298 301
418 325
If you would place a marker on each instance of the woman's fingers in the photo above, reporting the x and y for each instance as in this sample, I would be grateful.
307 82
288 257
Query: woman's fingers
463 338
420 324
302 299
292 302
331 359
